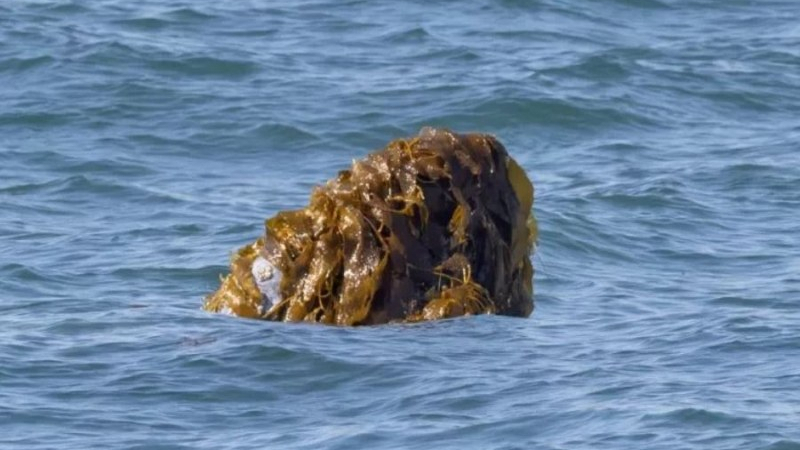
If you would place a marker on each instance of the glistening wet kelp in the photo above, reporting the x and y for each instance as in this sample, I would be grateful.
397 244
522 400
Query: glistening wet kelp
438 225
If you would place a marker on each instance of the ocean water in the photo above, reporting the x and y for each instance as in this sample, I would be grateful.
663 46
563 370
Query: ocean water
142 142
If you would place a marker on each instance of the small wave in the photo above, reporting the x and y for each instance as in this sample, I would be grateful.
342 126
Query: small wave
110 53
172 230
739 99
643 200
70 7
174 274
572 114
21 272
283 133
59 162
417 35
108 167
748 168
644 4
601 67
205 66
616 391
175 17
784 444
80 184
698 417
36 120
32 236
187 14
249 33
30 188
611 65
18 65
451 55
158 141
144 23
564 241
755 175
736 301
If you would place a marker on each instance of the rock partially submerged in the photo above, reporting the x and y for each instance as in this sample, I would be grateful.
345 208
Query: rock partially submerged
438 225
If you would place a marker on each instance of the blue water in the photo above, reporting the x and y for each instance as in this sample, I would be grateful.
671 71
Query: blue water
142 142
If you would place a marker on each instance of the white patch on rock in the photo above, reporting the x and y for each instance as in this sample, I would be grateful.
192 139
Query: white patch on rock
268 280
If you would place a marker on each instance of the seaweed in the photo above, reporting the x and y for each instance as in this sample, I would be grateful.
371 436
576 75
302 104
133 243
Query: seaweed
438 225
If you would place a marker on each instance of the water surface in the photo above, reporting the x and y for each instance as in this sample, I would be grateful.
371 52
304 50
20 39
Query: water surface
140 143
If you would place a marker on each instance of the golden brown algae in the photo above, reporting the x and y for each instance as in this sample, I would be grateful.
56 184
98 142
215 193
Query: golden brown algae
438 225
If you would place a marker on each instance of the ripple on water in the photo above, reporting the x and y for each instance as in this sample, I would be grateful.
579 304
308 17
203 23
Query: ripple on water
204 66
144 23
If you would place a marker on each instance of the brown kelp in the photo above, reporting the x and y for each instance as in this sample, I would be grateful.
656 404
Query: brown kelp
435 226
